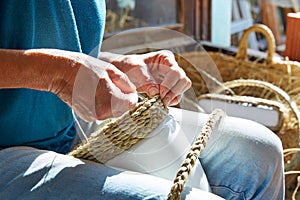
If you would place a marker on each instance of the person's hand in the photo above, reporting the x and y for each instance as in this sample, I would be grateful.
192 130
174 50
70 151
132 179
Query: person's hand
93 88
155 73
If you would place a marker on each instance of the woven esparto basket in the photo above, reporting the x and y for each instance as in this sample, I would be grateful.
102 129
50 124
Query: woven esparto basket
120 134
281 73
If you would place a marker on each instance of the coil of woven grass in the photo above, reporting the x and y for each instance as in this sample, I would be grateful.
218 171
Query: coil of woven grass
121 133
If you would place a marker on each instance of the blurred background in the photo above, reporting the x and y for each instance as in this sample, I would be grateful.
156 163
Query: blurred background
212 22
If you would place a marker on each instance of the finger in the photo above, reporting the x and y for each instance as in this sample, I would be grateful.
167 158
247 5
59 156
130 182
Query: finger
161 63
122 103
175 101
169 81
176 81
160 60
176 91
143 81
151 89
121 81
179 87
115 103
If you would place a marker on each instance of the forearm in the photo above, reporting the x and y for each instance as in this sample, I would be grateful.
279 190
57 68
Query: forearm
35 69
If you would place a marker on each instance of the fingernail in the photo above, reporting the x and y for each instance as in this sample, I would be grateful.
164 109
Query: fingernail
153 91
167 100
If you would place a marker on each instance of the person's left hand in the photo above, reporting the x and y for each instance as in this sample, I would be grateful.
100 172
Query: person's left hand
155 73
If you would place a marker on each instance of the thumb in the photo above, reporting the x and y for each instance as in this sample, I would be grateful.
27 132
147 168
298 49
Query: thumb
151 88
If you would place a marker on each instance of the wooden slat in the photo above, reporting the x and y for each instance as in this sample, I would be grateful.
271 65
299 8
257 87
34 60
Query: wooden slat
269 18
205 11
187 7
197 19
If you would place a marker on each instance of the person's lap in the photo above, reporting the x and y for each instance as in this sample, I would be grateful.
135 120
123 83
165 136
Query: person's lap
28 173
244 160
240 162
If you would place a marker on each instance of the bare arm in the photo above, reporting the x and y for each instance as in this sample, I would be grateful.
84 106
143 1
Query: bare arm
94 89
21 69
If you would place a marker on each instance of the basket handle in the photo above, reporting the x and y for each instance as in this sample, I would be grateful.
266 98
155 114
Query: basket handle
243 45
193 154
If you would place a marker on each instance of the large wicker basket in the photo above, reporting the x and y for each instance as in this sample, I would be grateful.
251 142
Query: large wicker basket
284 74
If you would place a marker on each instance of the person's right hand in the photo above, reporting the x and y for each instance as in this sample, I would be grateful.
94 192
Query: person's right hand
93 88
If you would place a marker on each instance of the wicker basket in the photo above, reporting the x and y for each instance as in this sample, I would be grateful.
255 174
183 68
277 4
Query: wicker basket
117 135
283 74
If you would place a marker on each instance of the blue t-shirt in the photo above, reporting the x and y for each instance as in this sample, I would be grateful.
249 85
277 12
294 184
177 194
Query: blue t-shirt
36 118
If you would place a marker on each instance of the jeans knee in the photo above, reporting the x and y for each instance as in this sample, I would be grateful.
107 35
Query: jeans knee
254 136
241 140
250 151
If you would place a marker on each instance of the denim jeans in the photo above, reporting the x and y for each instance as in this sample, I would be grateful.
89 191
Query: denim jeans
243 160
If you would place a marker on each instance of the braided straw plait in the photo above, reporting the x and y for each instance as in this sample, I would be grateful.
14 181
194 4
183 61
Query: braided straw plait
193 154
123 132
